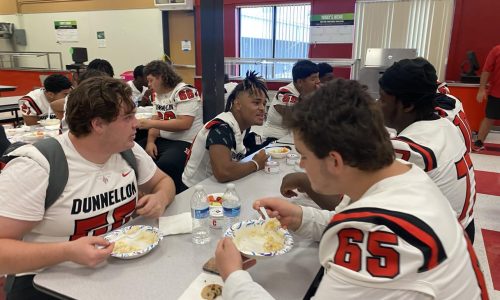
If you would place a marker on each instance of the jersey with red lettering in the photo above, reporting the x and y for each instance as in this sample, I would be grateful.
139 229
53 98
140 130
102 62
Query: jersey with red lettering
437 148
400 240
451 108
183 100
97 198
34 104
287 96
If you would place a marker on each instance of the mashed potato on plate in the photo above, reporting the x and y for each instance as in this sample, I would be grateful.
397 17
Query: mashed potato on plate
260 238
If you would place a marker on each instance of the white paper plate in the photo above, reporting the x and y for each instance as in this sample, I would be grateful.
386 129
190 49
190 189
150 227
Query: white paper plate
233 232
139 245
277 152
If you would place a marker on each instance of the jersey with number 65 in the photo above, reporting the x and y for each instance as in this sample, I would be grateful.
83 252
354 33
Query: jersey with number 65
400 240
436 147
182 100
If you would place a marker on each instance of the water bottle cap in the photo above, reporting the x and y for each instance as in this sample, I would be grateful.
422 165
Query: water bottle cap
230 185
199 187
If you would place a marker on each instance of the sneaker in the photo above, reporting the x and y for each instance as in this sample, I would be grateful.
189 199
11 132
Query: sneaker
478 146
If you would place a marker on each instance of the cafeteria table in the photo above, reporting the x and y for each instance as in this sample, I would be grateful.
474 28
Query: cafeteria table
169 269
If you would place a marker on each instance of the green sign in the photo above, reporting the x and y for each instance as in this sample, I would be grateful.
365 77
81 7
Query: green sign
65 24
332 19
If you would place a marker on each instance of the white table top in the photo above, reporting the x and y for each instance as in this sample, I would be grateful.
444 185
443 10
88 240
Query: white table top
168 270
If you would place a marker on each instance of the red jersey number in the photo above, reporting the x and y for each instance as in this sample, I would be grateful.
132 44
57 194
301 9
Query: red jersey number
384 261
186 94
99 223
168 115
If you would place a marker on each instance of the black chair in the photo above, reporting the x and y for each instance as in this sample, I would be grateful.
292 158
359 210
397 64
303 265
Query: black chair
4 142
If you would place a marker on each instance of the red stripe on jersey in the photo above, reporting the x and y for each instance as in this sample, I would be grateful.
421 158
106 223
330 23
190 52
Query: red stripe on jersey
408 227
32 104
463 168
461 122
477 269
441 112
212 123
405 154
427 154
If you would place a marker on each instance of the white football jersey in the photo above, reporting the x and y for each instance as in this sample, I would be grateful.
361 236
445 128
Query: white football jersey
136 94
96 199
400 240
400 236
182 100
437 148
35 104
286 96
198 166
458 117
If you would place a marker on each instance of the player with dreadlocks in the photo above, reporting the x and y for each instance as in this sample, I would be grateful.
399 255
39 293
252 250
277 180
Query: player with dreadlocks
218 147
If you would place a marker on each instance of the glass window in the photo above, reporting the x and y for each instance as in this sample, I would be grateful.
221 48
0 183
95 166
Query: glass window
274 32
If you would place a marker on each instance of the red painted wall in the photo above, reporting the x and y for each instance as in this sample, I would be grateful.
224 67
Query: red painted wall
476 27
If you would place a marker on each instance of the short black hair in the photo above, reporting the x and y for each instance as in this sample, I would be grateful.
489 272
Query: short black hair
101 65
303 69
251 82
413 82
324 68
89 73
341 116
139 71
56 82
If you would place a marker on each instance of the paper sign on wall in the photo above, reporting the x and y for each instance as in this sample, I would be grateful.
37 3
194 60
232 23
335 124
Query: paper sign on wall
332 28
186 45
66 31
101 39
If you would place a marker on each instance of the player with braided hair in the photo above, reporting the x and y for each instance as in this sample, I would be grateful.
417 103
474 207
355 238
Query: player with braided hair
218 147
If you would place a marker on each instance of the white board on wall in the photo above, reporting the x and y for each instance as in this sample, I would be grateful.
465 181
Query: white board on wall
133 37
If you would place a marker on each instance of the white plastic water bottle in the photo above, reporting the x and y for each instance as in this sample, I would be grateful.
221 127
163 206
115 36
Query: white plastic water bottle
200 216
231 206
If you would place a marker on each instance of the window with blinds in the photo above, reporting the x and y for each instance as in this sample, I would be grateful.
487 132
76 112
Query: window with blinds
274 32
422 24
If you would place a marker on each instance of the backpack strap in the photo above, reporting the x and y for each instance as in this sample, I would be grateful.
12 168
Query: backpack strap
129 157
58 174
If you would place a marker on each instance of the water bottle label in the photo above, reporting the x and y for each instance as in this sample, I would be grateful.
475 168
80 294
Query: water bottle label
201 213
231 211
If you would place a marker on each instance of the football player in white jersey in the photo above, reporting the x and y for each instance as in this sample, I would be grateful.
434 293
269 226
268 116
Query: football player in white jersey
407 98
101 194
397 238
177 118
36 104
305 75
219 145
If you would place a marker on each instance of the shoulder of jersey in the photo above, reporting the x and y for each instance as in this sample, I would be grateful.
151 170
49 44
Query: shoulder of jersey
186 93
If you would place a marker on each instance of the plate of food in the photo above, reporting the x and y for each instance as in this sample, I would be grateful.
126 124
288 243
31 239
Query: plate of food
34 135
278 152
51 124
260 238
134 241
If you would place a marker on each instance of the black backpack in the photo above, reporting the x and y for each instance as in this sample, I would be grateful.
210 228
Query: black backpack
58 174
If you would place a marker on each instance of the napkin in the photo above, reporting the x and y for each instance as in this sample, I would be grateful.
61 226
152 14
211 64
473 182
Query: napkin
193 292
176 224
